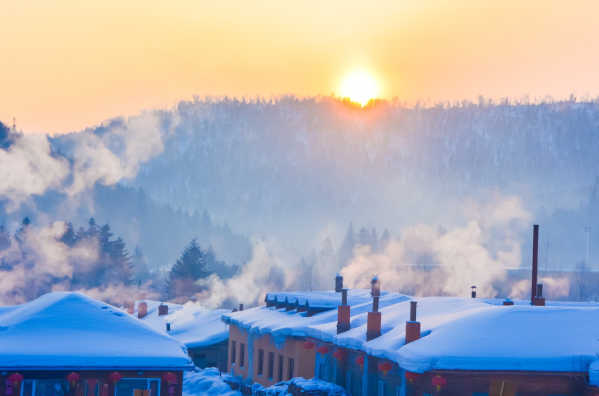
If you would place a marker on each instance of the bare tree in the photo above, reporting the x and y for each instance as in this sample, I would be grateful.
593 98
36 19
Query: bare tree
425 260
583 280
548 252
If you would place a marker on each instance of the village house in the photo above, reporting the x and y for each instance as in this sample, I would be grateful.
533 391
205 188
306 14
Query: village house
69 344
200 329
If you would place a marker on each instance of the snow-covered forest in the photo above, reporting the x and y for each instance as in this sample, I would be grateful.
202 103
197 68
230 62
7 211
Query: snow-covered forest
280 180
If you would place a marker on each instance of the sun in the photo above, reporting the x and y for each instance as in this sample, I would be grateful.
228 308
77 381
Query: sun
360 86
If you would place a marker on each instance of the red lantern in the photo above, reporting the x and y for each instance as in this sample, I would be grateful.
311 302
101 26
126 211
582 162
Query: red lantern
322 350
169 377
339 354
439 381
115 377
73 377
15 378
410 376
385 367
360 361
308 345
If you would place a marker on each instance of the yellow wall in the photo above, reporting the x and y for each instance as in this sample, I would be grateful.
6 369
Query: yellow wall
292 348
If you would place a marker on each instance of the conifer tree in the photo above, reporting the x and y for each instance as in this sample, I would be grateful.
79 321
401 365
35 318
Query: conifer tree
346 250
374 240
186 271
142 274
385 239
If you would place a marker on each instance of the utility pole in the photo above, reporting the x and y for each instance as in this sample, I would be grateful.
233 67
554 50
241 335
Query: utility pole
587 231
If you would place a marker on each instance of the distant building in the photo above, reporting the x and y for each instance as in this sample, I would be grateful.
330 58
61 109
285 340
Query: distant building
68 344
200 329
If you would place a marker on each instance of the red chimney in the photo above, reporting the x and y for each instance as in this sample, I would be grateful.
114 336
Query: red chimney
535 266
162 309
539 299
343 314
142 309
412 327
373 325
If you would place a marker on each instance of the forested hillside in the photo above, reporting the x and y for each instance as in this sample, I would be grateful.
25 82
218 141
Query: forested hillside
292 167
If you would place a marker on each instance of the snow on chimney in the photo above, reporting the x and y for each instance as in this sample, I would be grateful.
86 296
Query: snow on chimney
142 309
343 314
373 324
162 309
338 283
412 326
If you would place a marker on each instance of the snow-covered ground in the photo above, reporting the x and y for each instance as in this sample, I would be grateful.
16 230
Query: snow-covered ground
210 382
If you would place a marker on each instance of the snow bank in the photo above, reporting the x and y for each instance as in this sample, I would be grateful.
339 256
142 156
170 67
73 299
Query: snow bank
207 382
72 330
192 324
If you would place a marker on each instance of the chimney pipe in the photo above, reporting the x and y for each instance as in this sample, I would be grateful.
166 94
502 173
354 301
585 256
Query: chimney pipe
539 290
373 326
343 314
240 307
162 309
168 327
142 309
473 291
535 265
539 299
338 283
412 326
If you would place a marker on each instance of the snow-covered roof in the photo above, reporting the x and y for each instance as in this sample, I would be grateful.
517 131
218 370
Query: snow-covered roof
478 334
71 330
192 324
281 323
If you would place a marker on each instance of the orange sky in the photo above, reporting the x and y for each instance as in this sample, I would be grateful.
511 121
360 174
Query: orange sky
68 64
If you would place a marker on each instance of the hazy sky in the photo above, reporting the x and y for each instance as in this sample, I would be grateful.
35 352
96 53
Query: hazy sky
68 64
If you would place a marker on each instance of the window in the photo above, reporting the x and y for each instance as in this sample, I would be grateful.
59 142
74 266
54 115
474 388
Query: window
349 382
271 365
291 369
233 347
57 387
241 355
136 386
260 361
382 388
323 372
280 376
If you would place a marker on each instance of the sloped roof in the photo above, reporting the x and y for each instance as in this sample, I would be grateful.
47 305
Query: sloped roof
192 324
71 330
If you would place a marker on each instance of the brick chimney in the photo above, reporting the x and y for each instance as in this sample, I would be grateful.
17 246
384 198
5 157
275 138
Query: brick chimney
507 302
142 309
539 299
338 283
412 326
130 306
240 307
373 324
162 309
343 314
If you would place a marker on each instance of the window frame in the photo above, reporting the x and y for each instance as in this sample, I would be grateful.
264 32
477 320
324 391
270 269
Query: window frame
233 352
241 355
260 362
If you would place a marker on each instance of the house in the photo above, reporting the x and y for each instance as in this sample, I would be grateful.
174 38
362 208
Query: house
68 343
268 344
200 329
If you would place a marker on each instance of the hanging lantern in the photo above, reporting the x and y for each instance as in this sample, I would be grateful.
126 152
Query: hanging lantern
15 378
385 367
322 350
410 376
439 382
73 377
169 377
115 377
308 345
339 354
360 361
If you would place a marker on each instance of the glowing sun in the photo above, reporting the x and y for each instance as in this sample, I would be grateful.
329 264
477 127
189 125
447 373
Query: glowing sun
360 86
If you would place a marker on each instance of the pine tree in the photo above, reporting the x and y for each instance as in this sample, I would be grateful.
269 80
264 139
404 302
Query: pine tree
346 250
374 240
69 238
385 239
142 274
186 271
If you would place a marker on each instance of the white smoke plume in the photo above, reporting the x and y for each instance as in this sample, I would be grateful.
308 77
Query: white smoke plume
29 167
475 254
